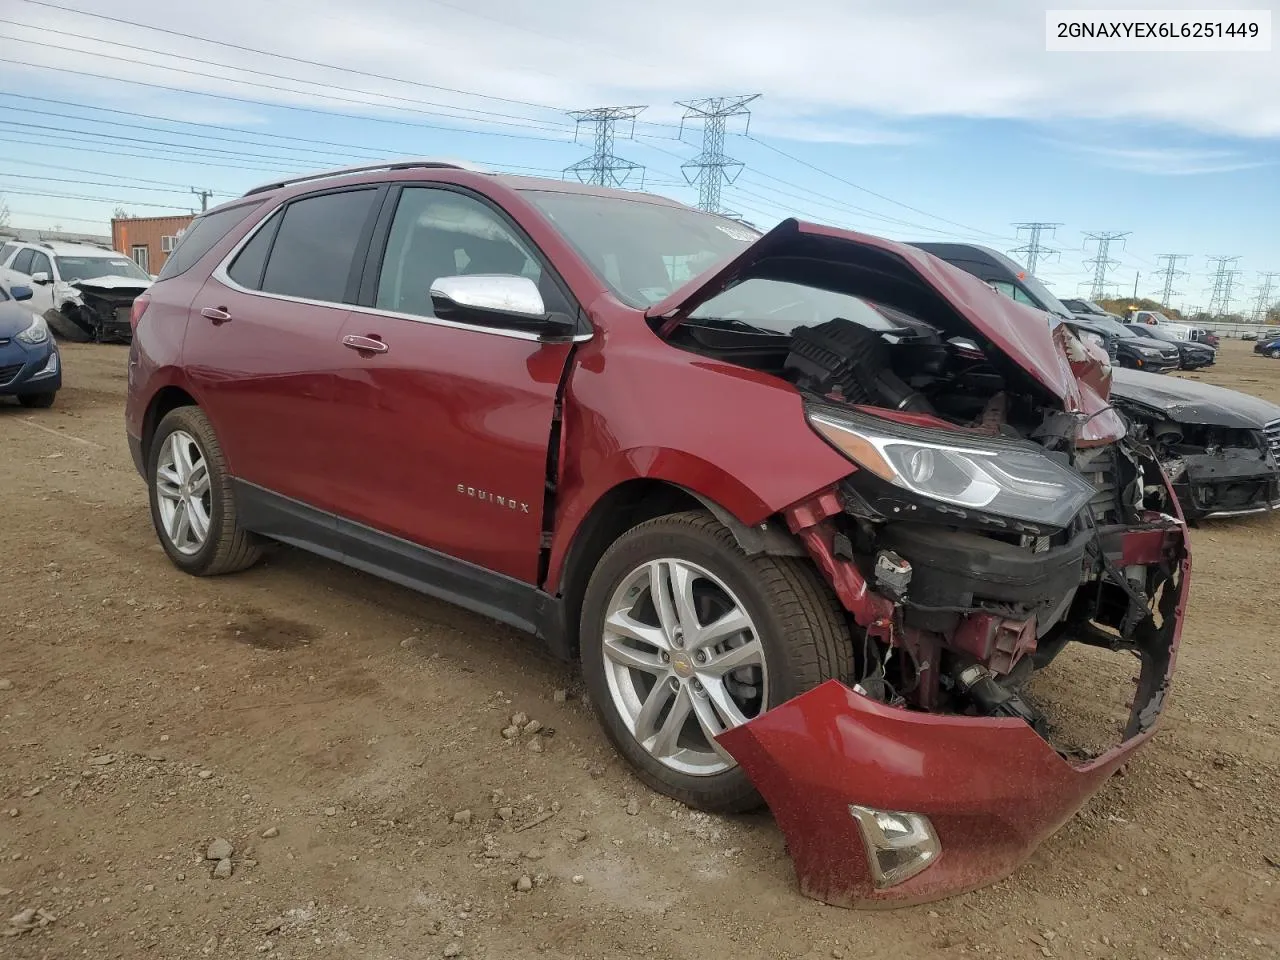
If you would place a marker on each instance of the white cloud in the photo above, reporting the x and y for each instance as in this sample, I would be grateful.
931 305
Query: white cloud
811 58
1170 161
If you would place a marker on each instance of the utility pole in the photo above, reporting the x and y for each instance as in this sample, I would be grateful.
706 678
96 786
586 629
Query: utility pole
1263 303
1035 250
1170 272
710 169
604 168
204 196
1101 261
1224 279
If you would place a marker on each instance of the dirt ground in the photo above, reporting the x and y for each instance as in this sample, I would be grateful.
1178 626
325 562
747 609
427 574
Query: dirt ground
144 713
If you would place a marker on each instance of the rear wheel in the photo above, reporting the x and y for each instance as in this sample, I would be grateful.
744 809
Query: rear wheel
684 636
192 503
38 401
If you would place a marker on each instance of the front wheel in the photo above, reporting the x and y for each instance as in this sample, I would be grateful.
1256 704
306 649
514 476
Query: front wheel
1274 353
192 502
684 636
38 401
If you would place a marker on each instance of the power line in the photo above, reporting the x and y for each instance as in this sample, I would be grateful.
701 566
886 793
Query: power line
330 114
100 183
282 56
1170 271
1034 249
1263 304
1224 279
605 168
72 196
712 166
880 196
1102 261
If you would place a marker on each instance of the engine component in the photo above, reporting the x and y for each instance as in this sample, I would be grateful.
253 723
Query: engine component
995 700
841 356
893 574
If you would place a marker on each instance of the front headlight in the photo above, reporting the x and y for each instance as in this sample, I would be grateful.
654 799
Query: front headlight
1093 338
1004 478
38 332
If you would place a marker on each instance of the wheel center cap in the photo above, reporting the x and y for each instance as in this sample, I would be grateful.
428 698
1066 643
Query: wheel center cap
682 665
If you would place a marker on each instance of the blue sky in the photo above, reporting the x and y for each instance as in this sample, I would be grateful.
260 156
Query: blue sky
925 120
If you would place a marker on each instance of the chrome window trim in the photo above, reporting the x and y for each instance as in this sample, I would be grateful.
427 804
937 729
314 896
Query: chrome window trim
223 277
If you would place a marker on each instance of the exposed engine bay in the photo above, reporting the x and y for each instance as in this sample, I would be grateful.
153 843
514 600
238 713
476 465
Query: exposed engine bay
99 311
958 601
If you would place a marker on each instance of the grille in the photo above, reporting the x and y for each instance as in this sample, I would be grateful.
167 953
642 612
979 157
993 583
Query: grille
1272 432
9 372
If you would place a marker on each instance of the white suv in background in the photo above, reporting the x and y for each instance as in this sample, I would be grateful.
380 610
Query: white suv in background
83 291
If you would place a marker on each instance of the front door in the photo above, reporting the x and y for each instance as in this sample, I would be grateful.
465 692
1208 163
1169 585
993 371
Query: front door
262 343
41 293
445 427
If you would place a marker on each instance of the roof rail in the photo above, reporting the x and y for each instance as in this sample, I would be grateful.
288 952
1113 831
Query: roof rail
366 168
44 243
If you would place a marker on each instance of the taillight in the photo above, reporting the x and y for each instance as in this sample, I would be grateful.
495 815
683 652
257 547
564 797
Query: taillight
138 309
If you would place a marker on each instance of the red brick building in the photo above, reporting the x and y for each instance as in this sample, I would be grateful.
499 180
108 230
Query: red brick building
148 240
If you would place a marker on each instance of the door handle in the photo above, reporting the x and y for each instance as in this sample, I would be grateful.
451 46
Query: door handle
218 315
364 344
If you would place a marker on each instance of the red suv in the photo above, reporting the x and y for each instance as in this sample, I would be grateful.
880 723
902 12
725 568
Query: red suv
809 506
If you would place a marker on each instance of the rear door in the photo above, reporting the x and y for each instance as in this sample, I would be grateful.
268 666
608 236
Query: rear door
262 345
443 433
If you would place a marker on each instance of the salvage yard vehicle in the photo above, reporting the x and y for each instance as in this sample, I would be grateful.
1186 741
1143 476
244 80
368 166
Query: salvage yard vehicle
1219 447
1268 346
83 291
1218 444
1192 355
809 520
30 367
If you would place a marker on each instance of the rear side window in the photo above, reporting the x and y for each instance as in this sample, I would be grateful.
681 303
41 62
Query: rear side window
22 262
7 251
316 244
199 238
247 267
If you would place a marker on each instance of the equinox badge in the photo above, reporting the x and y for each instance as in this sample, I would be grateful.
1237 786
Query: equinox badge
491 497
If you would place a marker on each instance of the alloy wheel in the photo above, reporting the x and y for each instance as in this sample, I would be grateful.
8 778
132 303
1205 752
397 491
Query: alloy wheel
683 663
182 492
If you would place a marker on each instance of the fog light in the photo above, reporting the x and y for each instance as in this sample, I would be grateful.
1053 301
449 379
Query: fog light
899 845
49 369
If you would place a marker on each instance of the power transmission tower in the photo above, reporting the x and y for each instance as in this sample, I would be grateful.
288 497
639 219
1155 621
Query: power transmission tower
1101 261
1034 249
604 168
1170 272
204 196
1263 303
1224 279
711 168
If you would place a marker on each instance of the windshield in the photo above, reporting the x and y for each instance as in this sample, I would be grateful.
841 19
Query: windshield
91 268
1112 326
1157 333
640 249
1041 293
775 306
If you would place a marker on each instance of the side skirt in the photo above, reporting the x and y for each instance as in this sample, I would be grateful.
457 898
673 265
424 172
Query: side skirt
494 595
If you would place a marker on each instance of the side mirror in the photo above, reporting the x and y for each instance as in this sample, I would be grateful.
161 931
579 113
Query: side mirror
153 277
501 301
20 293
40 277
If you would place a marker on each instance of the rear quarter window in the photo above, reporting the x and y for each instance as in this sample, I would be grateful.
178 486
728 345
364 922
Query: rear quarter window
199 238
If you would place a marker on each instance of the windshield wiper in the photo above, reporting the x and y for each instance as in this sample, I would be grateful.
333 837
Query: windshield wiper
735 323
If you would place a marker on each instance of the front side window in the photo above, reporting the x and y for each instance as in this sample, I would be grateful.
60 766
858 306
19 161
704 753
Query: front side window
22 262
641 250
91 268
315 247
40 264
440 233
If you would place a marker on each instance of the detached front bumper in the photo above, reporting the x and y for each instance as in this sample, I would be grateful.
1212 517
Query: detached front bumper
954 802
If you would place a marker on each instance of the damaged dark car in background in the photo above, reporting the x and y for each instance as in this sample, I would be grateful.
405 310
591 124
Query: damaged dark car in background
1219 446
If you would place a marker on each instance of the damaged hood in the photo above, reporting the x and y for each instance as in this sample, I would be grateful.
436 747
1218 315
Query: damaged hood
14 318
907 278
116 285
1189 401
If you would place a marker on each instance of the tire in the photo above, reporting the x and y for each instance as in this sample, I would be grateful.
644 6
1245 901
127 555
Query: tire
38 401
226 547
65 328
1274 353
803 640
